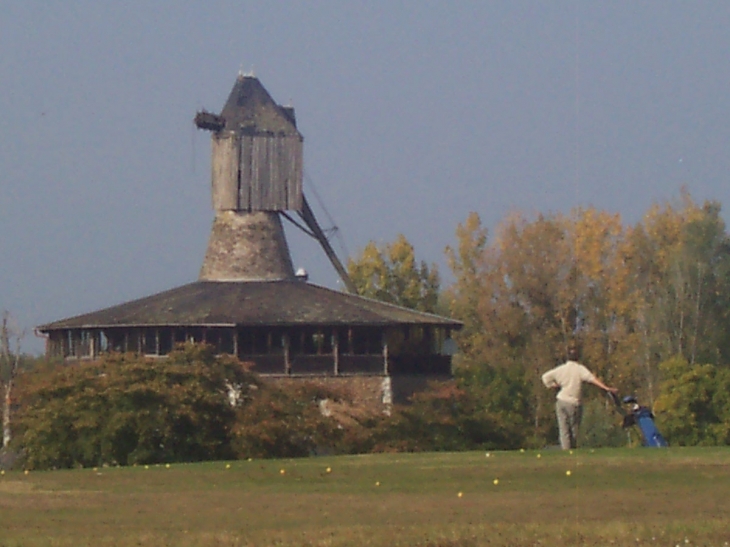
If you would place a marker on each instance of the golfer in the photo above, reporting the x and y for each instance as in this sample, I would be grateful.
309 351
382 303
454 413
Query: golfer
568 378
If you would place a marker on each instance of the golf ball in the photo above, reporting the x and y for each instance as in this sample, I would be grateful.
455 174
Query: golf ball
459 494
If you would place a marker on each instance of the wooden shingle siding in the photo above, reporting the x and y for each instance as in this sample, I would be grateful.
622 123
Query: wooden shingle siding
270 173
224 167
294 162
245 173
257 173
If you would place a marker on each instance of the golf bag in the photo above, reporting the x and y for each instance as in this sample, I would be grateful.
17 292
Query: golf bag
643 418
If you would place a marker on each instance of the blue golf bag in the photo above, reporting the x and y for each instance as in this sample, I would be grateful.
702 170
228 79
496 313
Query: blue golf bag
642 417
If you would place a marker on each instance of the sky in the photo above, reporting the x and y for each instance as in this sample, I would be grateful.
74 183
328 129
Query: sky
414 114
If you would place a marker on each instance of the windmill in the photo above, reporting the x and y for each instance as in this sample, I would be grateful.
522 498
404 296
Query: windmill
257 172
247 300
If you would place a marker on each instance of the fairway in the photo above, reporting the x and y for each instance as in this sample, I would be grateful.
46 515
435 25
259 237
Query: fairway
601 497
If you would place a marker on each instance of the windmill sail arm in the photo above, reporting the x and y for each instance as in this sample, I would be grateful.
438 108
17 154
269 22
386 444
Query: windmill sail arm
309 219
295 223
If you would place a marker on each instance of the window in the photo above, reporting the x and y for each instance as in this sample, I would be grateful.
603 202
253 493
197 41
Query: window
164 341
116 340
311 342
195 335
135 338
179 335
366 341
225 343
149 341
260 341
344 341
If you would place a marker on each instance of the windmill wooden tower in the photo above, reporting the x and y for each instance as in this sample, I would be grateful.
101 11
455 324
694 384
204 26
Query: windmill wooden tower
257 167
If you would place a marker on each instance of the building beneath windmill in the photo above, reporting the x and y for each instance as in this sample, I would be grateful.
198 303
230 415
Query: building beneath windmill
247 300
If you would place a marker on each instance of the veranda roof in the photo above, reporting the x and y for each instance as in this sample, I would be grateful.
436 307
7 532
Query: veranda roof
265 303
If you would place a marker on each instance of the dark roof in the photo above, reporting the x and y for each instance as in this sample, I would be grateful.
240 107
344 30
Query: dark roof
251 303
251 110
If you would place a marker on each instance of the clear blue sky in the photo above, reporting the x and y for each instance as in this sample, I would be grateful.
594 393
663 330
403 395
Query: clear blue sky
414 113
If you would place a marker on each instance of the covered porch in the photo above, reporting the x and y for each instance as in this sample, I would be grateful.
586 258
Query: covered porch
276 350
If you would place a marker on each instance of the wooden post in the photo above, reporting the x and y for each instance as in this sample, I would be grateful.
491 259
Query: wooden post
336 351
384 342
287 363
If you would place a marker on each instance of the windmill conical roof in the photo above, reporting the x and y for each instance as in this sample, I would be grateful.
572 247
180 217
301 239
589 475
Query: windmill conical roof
250 109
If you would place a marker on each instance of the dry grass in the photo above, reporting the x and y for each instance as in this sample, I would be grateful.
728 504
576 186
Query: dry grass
611 497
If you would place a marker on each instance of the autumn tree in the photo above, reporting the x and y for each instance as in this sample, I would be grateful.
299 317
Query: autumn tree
540 285
679 260
392 274
466 261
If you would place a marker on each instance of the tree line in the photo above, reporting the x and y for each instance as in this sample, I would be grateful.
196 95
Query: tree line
647 304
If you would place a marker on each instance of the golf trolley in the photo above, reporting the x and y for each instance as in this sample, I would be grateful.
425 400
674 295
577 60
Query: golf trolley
642 417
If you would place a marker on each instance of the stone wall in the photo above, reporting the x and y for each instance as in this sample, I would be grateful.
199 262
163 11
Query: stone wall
247 247
373 394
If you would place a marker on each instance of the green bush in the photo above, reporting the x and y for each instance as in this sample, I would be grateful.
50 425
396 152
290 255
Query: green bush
128 410
446 417
125 409
287 422
693 407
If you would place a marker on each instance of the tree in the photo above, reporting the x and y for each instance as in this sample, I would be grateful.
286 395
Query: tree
392 274
692 407
466 261
9 366
679 259
541 285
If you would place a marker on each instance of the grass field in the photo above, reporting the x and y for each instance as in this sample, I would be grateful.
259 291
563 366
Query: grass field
602 497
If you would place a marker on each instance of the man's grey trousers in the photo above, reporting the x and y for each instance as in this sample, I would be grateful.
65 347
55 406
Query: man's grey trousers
569 416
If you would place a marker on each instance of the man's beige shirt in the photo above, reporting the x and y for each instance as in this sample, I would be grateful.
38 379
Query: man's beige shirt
568 377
